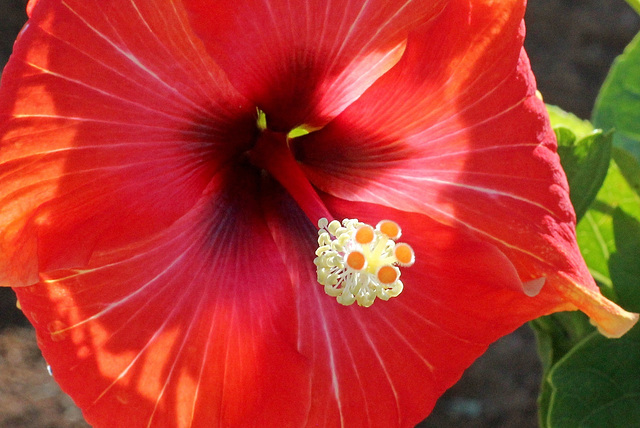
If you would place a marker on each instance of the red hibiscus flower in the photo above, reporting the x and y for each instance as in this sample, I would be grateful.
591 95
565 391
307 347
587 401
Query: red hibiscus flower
180 185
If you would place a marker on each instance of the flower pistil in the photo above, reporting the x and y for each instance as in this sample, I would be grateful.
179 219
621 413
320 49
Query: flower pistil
357 263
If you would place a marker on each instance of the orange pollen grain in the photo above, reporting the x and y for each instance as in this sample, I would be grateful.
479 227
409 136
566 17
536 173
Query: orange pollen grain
387 274
404 253
356 260
364 235
389 228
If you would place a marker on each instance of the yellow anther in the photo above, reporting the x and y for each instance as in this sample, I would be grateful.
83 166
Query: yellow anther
404 253
387 274
356 260
389 228
357 263
364 234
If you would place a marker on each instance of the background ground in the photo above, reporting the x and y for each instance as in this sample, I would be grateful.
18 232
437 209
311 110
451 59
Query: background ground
571 44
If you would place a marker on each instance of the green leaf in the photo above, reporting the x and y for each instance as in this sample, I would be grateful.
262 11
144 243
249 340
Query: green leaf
597 384
629 167
586 163
618 103
556 335
595 231
584 153
624 264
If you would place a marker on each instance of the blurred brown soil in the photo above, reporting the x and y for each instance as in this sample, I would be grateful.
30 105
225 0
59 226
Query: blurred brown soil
571 44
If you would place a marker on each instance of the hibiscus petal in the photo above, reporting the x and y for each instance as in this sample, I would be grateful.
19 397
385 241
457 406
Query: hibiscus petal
303 62
455 131
196 324
109 112
386 365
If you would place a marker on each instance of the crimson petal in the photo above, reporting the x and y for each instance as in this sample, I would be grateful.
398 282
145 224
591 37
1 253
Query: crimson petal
113 120
303 62
180 329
